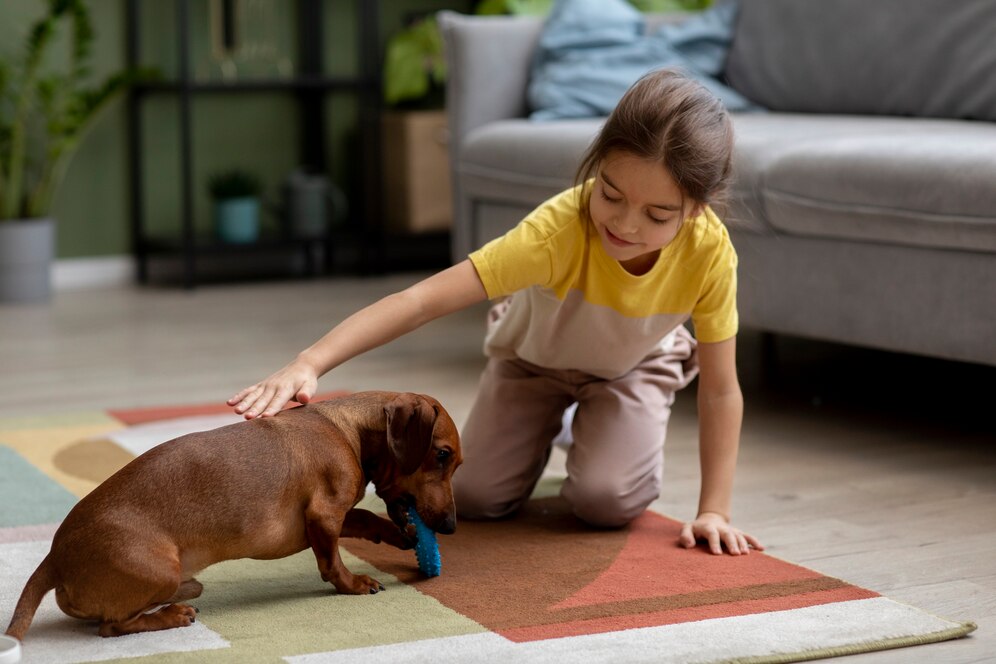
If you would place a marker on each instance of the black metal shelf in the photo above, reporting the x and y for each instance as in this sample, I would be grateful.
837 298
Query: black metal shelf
325 84
310 86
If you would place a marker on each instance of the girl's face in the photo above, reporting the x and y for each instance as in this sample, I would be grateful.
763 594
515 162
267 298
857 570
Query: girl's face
636 208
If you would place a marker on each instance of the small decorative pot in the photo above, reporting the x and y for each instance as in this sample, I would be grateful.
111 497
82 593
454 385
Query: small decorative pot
237 220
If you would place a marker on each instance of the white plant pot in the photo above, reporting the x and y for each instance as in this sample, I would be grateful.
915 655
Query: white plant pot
27 248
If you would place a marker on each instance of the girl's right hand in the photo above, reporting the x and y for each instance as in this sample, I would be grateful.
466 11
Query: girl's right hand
297 381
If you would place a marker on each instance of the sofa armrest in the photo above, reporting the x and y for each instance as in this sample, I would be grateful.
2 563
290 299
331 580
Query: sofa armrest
488 60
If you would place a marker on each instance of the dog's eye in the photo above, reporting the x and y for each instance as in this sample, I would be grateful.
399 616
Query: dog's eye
442 456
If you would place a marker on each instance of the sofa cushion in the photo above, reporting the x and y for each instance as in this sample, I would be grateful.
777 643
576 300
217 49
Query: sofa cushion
915 182
926 58
521 161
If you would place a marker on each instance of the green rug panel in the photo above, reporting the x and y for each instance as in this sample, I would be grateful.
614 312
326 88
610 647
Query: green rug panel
302 614
27 495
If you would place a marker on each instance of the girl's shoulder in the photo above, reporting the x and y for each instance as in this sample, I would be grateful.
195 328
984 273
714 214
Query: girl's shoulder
558 219
557 212
708 233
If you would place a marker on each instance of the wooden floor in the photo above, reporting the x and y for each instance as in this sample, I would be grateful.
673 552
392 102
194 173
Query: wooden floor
873 467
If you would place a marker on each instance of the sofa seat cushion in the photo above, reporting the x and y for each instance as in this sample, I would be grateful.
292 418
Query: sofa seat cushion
914 182
523 161
920 182
764 138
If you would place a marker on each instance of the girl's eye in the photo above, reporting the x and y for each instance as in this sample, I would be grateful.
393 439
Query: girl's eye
658 221
608 198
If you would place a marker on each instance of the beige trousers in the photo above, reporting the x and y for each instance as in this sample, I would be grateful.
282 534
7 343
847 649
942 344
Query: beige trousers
615 463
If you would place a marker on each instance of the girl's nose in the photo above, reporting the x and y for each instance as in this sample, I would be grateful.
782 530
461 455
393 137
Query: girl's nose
625 223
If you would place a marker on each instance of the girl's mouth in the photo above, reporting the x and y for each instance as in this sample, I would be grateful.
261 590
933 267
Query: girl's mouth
616 240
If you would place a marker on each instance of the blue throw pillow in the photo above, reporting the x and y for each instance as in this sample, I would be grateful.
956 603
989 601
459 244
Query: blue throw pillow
586 24
592 51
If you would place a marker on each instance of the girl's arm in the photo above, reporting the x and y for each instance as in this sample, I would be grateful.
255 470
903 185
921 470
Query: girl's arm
721 406
387 319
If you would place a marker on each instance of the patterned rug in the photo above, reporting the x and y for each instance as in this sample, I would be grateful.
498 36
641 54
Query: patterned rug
541 587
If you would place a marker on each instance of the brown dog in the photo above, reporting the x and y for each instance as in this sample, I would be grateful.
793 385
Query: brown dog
127 553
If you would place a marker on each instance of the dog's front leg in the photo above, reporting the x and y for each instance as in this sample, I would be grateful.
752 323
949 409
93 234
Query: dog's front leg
367 525
323 536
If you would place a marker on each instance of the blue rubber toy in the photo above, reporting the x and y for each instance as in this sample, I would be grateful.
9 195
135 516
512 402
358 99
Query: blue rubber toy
426 548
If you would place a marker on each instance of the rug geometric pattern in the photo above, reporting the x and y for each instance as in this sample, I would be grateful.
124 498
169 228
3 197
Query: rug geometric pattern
540 587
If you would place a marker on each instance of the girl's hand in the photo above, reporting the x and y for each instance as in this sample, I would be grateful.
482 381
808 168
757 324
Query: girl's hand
297 381
717 532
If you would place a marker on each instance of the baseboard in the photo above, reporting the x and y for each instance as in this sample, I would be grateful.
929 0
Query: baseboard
70 274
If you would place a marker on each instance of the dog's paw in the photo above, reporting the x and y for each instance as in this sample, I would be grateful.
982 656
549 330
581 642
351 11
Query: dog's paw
366 585
358 584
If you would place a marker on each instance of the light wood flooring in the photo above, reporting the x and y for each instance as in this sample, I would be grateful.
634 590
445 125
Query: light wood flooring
873 467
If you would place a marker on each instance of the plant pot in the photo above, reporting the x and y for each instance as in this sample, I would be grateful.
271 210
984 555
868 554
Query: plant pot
27 247
237 220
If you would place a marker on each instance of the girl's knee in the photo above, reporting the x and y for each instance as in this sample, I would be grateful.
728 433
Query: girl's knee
607 504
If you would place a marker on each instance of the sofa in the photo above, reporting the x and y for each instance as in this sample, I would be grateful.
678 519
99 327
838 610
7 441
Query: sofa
863 207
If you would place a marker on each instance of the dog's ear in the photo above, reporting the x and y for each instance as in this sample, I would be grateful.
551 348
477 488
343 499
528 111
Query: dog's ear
410 419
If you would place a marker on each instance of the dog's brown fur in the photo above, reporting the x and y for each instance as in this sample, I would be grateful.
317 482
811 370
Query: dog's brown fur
264 489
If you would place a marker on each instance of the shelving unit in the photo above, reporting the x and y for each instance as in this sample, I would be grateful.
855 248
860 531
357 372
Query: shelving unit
310 86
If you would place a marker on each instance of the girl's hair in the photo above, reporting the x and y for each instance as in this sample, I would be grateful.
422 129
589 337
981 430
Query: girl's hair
669 118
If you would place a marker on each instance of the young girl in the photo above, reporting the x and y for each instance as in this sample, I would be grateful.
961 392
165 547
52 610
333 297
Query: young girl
601 279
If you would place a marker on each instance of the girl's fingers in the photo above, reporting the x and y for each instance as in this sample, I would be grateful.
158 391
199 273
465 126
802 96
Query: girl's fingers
732 545
278 401
240 395
715 542
249 397
754 542
687 539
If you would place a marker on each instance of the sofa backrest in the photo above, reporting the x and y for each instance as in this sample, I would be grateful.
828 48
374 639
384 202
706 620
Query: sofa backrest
926 58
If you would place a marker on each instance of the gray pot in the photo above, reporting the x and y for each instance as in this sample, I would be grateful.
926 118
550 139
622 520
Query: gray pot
27 247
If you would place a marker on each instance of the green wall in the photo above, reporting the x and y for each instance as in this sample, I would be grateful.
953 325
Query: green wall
258 132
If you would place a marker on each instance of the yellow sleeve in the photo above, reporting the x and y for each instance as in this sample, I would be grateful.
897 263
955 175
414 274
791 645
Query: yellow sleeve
516 260
715 314
525 256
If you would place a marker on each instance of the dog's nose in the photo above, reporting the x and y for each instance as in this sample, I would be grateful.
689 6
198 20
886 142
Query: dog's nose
447 526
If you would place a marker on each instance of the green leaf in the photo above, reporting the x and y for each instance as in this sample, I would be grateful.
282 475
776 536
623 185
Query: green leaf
529 7
404 76
51 112
666 6
413 62
491 7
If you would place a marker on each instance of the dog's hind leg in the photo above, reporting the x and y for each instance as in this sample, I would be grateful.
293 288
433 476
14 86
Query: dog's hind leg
133 589
167 615
162 617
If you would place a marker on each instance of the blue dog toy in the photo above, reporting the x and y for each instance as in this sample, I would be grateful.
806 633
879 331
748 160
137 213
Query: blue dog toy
426 548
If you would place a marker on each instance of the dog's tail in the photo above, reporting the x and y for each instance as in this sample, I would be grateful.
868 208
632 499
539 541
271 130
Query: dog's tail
41 582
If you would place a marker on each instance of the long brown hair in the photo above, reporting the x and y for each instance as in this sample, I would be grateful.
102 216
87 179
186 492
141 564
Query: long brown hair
672 119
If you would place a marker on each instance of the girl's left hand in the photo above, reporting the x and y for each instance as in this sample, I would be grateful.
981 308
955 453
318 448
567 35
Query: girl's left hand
717 532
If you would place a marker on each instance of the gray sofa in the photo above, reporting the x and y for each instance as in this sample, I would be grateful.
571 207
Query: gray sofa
864 203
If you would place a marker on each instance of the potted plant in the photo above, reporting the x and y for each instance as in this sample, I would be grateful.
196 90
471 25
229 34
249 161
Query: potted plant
44 114
236 206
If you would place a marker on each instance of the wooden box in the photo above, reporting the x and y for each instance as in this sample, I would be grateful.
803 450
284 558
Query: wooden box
416 167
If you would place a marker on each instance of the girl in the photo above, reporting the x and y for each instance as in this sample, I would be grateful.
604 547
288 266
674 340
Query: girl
601 279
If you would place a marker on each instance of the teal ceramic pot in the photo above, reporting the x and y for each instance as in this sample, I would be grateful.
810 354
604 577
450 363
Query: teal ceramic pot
237 220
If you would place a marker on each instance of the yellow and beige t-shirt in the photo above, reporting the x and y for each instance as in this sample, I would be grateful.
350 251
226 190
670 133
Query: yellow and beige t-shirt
575 307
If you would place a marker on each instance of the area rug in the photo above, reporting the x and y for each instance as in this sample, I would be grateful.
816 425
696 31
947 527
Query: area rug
540 587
